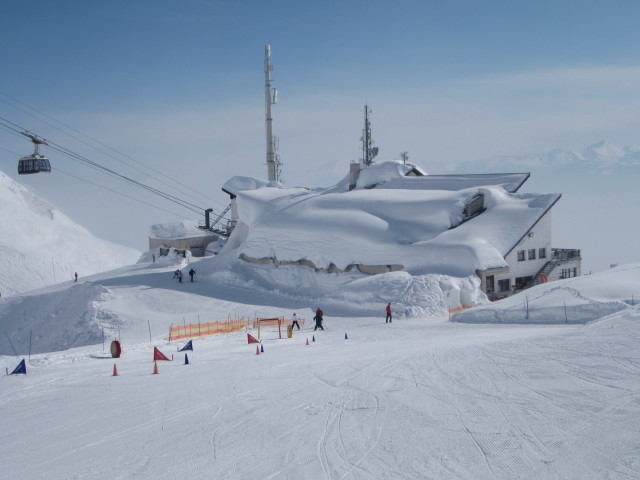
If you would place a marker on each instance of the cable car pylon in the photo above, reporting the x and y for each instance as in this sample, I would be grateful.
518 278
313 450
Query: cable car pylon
34 163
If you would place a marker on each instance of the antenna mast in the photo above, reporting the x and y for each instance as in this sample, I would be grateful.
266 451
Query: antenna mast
368 150
274 167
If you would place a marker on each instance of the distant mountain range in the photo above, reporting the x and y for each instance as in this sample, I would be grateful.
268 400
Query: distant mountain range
40 246
601 157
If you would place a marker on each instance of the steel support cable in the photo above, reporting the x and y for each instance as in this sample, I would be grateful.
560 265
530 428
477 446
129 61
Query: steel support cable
118 193
60 170
73 155
103 145
9 128
66 151
166 196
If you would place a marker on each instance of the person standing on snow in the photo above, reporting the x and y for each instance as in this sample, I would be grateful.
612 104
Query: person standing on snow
192 272
294 321
318 319
76 278
388 313
180 276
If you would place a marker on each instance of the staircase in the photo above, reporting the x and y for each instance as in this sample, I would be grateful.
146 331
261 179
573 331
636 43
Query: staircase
560 256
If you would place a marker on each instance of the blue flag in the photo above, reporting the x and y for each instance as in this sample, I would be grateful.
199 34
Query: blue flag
21 368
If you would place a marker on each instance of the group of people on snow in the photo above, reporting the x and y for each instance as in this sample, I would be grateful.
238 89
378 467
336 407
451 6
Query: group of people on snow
178 274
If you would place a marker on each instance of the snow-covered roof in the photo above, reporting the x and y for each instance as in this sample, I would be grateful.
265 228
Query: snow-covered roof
237 184
511 182
389 219
184 229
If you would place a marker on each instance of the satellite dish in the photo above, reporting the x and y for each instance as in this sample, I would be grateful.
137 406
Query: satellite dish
374 152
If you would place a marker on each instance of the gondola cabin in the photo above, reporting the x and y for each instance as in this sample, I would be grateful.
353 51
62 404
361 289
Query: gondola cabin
34 163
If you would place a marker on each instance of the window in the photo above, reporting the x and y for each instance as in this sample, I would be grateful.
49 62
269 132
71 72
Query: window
475 206
568 272
532 254
521 255
522 282
504 285
542 253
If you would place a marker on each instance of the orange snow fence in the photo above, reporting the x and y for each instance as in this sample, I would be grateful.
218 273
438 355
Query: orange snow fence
460 308
203 329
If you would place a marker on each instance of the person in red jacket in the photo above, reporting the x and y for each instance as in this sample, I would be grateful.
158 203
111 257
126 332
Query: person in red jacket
388 313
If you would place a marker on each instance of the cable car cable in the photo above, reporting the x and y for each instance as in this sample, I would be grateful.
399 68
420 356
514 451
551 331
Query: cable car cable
102 144
73 155
118 193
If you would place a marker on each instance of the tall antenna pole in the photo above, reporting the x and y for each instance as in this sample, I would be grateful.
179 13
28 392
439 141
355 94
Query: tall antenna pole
271 98
368 150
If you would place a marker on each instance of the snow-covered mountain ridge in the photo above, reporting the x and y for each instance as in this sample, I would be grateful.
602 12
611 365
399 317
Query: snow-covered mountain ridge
40 245
602 157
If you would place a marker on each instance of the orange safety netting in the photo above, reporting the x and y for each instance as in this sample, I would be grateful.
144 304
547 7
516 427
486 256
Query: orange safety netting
454 310
215 327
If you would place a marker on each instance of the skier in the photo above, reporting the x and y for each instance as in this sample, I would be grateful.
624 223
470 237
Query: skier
294 322
180 276
192 272
388 313
76 276
318 319
153 256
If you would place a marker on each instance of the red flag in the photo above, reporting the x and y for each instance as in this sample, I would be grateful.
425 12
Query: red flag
251 339
158 355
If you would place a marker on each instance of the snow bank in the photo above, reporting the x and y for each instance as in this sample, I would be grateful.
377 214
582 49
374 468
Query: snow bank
57 320
574 300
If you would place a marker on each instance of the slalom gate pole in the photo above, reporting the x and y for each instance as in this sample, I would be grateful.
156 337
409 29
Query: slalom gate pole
10 343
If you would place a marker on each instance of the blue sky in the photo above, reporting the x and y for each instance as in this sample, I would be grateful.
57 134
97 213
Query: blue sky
129 54
178 85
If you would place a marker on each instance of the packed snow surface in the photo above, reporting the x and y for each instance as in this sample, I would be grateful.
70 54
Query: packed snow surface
544 384
418 398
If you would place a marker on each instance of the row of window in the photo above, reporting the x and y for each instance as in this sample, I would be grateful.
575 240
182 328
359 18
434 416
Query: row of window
522 282
531 254
569 272
505 285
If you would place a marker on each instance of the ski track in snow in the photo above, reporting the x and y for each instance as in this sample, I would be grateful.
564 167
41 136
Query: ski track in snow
408 400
